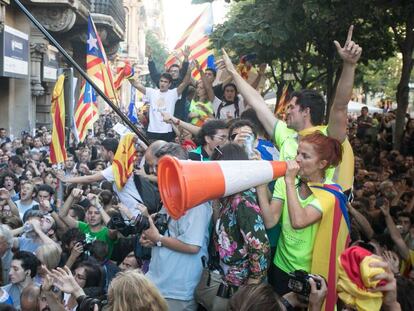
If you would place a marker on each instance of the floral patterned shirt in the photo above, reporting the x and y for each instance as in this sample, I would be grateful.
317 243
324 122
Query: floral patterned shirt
241 239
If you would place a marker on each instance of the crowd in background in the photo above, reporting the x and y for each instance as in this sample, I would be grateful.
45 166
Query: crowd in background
71 240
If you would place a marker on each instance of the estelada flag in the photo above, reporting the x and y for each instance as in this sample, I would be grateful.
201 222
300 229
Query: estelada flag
57 146
123 163
332 237
97 64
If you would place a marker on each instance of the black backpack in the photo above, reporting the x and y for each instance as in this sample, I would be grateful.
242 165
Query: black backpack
149 193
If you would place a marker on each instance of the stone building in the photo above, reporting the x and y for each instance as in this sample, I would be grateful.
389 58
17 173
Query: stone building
28 63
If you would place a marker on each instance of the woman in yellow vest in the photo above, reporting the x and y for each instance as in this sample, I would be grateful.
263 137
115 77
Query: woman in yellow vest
309 207
201 108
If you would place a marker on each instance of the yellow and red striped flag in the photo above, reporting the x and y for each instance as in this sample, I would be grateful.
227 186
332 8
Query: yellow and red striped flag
196 37
123 163
57 146
124 70
86 112
280 108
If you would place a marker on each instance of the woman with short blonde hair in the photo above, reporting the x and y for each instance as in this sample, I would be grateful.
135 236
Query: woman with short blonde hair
130 291
49 255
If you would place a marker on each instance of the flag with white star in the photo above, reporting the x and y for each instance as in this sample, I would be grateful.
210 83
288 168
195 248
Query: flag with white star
97 65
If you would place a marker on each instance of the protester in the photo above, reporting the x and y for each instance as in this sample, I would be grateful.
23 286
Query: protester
77 222
184 243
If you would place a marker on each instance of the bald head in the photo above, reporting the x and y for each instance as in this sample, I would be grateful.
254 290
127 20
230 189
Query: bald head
150 158
29 298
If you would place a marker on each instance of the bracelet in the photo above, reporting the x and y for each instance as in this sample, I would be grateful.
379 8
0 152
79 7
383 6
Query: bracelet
287 304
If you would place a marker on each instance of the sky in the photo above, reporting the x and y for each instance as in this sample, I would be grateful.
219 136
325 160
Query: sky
179 14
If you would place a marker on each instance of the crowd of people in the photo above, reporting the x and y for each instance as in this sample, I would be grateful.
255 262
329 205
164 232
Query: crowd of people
321 237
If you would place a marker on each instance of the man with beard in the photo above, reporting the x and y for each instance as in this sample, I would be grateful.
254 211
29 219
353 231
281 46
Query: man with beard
94 228
35 232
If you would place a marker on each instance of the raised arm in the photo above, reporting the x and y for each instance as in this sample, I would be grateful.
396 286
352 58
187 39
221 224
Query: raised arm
179 123
186 81
154 74
260 75
75 196
394 232
299 217
38 229
338 116
250 95
184 67
207 85
87 179
363 223
137 85
5 195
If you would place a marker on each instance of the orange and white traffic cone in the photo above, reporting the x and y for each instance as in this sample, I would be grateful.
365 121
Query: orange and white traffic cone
185 184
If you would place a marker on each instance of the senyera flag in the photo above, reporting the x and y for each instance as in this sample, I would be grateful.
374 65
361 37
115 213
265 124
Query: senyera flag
124 70
86 112
281 106
97 65
57 146
196 37
123 163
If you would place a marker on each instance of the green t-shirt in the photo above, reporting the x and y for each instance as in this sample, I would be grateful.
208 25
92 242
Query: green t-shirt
295 247
195 107
287 140
101 235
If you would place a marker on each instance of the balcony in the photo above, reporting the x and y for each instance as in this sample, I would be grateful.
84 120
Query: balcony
113 9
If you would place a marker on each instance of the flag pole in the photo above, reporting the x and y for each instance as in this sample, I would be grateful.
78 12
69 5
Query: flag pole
81 71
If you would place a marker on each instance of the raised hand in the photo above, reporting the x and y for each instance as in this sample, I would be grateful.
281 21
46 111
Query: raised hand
389 290
4 194
197 65
225 63
393 260
350 52
186 52
77 194
262 68
60 175
64 280
385 208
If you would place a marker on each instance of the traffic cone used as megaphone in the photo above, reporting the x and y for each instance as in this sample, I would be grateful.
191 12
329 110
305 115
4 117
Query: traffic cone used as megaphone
185 184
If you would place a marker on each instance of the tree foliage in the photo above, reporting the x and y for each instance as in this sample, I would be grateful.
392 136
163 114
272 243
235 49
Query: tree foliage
296 36
380 77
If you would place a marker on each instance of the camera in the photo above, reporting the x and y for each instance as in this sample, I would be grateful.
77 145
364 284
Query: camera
137 226
299 282
86 245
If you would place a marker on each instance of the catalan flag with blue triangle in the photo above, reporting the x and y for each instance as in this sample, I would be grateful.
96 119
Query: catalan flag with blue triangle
97 64
332 237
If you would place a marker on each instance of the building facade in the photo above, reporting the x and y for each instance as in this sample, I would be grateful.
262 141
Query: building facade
29 64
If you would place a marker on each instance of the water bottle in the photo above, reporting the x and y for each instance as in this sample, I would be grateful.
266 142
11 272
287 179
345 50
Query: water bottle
248 146
27 227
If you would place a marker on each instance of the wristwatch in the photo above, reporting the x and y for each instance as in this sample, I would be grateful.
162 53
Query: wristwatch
159 243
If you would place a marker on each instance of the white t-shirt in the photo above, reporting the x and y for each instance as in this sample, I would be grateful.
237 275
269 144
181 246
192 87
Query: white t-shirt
160 102
227 112
129 195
